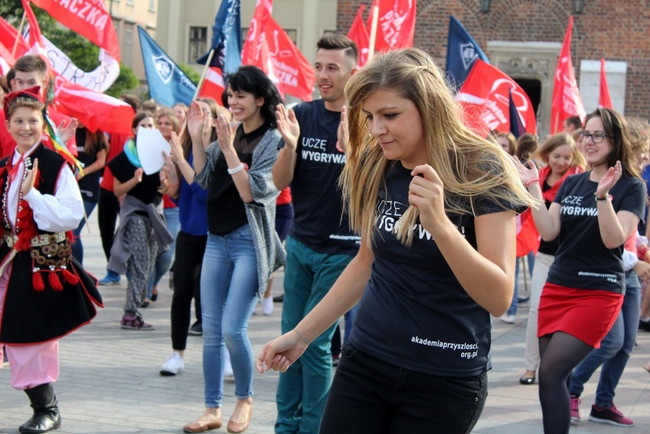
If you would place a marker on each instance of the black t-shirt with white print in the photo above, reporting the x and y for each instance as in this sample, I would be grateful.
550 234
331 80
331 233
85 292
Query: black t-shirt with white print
582 260
414 312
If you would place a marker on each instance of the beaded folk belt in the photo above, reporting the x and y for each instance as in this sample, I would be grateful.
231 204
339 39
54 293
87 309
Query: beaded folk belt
39 240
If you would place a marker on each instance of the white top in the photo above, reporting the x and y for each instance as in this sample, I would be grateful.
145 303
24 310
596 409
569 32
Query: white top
59 213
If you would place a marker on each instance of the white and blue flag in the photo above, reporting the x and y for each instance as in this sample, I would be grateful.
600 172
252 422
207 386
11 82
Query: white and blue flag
168 84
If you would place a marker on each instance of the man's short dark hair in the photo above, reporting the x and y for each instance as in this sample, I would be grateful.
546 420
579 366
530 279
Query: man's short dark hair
32 63
337 41
575 121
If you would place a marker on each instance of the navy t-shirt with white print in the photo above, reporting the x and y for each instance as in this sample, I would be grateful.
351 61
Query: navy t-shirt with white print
582 260
319 220
414 312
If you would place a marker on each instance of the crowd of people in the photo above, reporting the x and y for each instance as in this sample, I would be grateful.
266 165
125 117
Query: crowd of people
382 206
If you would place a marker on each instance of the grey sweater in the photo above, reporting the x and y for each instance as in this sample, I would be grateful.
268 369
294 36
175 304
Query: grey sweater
260 212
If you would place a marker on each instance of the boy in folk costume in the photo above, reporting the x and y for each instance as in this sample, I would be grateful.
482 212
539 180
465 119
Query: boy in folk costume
44 293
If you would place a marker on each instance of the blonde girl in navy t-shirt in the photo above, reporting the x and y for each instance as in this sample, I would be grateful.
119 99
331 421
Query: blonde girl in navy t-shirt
434 205
592 215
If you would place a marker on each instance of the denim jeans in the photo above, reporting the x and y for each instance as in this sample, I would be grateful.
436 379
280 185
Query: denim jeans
615 349
372 396
77 247
302 390
164 259
530 257
228 295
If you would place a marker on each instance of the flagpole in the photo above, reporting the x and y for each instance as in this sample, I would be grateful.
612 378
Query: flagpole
373 31
204 74
20 30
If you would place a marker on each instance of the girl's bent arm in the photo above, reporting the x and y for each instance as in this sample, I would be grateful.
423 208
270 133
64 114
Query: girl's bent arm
486 274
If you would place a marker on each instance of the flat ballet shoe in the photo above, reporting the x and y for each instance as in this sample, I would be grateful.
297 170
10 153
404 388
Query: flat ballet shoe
239 427
203 424
527 380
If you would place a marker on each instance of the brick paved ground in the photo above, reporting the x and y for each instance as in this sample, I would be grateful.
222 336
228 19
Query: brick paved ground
110 384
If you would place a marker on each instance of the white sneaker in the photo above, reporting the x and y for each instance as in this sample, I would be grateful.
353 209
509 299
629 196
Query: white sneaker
509 319
267 305
227 368
172 365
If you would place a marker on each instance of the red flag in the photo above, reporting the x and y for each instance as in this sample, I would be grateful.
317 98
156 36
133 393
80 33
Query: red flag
8 36
213 85
34 29
269 48
484 96
94 110
359 34
396 24
604 99
252 45
566 96
89 18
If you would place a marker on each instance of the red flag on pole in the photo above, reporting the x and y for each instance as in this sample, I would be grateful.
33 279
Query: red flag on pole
396 24
485 98
604 99
9 36
34 29
252 44
359 34
269 48
94 110
89 18
566 100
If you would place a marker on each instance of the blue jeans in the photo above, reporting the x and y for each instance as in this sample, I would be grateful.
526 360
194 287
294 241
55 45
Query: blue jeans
512 310
615 348
302 390
164 260
228 296
77 247
369 395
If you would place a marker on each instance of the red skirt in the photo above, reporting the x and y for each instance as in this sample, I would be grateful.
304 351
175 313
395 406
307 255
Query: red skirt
586 314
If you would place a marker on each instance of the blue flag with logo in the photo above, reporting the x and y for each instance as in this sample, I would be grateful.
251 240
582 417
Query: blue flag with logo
226 38
462 52
168 84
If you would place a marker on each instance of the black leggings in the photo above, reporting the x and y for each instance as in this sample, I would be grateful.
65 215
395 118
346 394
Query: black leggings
187 278
108 209
559 354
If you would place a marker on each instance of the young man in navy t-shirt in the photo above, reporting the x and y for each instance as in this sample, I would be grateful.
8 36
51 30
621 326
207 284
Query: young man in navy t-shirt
320 244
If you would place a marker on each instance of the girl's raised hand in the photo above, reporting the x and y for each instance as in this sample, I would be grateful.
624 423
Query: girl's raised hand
426 193
609 180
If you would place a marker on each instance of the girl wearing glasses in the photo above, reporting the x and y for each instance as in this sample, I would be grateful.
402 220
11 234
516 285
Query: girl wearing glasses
592 215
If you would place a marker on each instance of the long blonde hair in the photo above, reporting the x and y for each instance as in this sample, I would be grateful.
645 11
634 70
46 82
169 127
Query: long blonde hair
467 164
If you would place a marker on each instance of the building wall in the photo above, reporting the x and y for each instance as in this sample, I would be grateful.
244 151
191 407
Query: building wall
616 30
305 20
127 15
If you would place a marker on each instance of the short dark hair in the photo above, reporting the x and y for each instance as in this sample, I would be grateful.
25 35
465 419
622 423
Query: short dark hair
31 63
575 121
139 116
337 41
131 100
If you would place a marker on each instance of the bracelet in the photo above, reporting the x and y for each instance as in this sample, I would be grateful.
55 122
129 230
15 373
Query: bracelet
236 169
604 198
301 337
527 183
